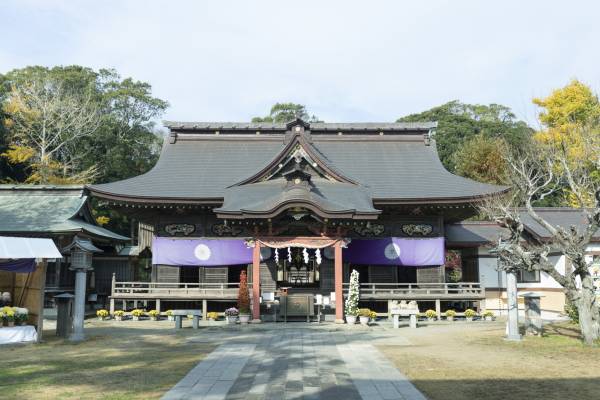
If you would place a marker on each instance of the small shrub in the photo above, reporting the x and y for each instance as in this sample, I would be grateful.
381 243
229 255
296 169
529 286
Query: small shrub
487 313
154 313
169 313
470 313
430 314
572 312
213 315
373 315
102 313
119 313
137 312
450 313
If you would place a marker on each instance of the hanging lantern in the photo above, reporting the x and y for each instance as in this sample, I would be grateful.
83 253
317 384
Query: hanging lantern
318 256
305 254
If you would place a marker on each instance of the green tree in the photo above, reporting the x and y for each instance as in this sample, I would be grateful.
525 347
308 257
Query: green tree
286 112
125 143
482 159
459 122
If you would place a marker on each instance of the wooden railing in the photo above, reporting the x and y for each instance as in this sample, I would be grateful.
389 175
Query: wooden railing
175 290
459 290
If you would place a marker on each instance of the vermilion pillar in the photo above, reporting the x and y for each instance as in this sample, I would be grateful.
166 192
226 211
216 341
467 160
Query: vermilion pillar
256 282
339 297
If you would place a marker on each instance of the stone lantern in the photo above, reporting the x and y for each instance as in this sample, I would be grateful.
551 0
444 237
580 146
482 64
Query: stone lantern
81 252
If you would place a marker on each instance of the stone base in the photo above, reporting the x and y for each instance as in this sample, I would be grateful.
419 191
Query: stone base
513 338
256 321
340 321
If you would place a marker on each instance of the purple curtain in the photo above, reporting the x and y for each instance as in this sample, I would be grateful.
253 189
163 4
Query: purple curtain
200 252
19 265
395 251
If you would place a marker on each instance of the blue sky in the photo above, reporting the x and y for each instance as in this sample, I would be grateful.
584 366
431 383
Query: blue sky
345 60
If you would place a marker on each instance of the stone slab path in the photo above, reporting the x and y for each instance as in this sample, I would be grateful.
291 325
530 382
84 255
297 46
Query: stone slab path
302 363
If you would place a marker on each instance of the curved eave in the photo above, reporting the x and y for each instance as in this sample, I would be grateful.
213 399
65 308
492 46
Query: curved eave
219 200
286 205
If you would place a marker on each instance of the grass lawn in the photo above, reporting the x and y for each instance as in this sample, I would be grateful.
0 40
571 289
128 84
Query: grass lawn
458 361
128 360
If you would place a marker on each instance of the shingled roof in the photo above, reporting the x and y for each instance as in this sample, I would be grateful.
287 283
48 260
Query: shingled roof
394 163
26 209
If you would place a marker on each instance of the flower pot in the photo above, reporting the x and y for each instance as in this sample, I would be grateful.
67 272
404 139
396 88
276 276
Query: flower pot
364 321
10 324
154 318
489 318
171 317
351 319
430 319
118 318
136 318
244 318
469 319
231 319
450 318
101 318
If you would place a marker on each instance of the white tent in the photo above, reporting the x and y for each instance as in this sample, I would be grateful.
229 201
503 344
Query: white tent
20 247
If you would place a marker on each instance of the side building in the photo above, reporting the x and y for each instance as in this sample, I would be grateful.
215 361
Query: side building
62 213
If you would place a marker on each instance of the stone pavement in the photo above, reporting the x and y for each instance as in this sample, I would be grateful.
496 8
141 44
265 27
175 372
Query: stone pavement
296 361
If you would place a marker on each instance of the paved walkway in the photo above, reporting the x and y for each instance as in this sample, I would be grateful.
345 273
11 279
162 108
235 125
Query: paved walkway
296 363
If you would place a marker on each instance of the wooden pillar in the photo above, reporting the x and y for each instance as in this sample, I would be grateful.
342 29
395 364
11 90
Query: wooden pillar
204 309
438 309
158 305
339 297
256 283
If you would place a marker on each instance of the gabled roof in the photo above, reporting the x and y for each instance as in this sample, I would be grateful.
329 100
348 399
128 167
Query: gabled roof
396 162
48 209
473 233
557 216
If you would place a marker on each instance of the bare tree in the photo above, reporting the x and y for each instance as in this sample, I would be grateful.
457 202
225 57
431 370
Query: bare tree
535 173
50 120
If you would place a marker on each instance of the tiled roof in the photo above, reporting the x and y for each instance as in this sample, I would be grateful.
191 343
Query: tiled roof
46 209
200 166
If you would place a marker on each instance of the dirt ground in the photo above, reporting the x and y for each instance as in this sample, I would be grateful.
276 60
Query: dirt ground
139 360
459 361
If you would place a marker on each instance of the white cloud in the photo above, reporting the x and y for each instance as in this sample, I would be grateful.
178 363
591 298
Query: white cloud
346 60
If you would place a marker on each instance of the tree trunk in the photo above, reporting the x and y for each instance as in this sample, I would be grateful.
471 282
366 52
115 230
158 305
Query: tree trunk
589 317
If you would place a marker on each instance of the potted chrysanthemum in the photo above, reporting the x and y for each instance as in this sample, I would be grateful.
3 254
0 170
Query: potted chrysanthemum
430 314
102 314
9 316
469 314
21 315
364 315
450 314
351 304
244 299
119 314
488 315
136 314
231 315
154 314
170 315
212 316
